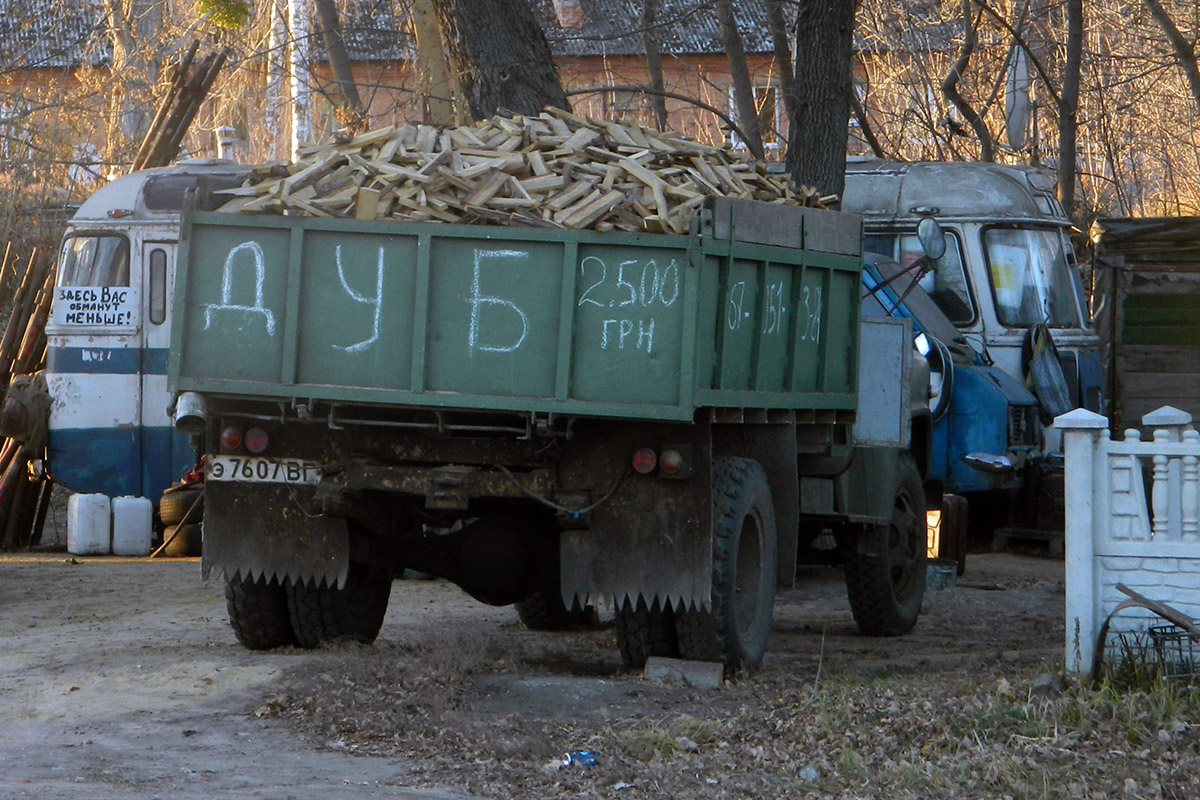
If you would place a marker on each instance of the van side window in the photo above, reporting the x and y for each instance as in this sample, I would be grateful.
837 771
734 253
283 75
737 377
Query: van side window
158 286
94 260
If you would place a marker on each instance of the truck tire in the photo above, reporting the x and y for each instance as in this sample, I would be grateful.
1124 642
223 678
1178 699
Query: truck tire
735 629
258 613
644 631
544 610
323 614
178 500
885 576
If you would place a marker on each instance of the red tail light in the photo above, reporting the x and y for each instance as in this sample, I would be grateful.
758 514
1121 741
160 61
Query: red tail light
644 461
231 438
256 440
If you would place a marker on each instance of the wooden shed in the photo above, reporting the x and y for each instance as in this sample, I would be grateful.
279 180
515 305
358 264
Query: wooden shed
1146 302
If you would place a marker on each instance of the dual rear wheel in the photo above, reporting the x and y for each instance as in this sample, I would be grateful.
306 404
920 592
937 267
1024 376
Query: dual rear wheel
266 614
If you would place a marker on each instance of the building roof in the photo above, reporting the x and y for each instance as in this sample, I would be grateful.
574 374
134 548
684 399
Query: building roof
51 33
68 33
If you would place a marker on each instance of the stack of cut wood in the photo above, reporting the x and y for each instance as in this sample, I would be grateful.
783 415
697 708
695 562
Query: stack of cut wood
555 170
24 492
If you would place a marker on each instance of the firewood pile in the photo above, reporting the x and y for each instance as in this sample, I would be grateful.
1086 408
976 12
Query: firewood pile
27 284
555 170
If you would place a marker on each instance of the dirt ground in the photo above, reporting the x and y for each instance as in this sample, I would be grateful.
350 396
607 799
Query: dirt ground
120 678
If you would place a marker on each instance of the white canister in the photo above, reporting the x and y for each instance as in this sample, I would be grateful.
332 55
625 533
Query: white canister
132 526
89 524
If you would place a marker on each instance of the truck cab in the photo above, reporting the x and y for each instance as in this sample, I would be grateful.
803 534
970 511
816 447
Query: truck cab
1008 266
109 331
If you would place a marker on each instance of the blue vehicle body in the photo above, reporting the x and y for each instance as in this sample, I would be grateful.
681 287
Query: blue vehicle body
988 411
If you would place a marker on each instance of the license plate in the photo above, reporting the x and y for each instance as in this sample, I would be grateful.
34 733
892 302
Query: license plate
248 469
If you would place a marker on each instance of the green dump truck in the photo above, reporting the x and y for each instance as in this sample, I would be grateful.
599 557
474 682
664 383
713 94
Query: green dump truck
549 418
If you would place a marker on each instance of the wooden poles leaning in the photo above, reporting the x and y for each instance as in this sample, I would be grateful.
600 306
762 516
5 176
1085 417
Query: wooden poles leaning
178 108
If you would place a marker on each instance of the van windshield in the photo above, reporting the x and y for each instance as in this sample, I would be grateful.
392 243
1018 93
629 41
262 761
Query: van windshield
95 260
1031 279
945 282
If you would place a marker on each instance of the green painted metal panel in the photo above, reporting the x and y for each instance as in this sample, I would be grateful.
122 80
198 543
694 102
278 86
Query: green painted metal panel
511 319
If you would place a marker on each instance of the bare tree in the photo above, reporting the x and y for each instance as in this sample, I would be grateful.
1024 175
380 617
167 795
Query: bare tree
970 22
782 54
1184 50
501 55
658 102
350 108
1068 105
816 152
739 73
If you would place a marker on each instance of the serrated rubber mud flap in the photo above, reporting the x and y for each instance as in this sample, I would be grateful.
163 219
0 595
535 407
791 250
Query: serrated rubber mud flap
651 539
253 530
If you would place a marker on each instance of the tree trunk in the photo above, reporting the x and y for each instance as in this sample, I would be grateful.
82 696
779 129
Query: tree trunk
502 55
1068 106
987 146
654 61
816 154
350 110
782 53
739 73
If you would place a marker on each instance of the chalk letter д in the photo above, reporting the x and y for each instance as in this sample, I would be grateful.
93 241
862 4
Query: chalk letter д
376 301
479 300
226 303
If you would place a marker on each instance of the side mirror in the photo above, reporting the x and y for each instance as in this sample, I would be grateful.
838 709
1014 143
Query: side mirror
932 240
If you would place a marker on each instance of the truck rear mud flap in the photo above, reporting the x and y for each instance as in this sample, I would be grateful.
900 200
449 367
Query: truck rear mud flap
264 530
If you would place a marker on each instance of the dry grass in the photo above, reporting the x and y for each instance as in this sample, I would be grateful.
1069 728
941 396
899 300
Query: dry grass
961 728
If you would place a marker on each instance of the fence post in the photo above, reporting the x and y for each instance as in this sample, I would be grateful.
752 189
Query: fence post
1082 431
1170 422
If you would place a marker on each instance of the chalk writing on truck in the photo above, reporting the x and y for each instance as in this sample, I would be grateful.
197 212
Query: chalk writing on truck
227 304
636 285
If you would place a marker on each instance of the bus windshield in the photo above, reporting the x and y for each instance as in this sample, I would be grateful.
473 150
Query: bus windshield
1031 278
94 260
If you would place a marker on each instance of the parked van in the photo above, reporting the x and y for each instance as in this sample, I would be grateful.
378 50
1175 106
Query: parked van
109 328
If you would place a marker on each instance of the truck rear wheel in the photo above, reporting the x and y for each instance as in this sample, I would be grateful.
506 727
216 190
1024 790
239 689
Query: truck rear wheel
322 614
258 613
544 610
644 631
885 576
735 629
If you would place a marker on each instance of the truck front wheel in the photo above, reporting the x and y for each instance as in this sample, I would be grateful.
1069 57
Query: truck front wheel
735 629
321 614
258 613
885 576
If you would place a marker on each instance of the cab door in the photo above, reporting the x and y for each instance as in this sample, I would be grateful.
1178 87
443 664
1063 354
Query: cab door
165 453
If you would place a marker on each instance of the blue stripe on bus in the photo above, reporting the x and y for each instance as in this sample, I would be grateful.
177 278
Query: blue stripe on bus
118 461
107 360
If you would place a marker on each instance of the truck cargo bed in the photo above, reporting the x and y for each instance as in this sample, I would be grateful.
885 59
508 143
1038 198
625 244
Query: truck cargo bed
750 311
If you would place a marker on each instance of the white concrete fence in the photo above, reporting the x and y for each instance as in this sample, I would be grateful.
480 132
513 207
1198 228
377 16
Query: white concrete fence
1113 535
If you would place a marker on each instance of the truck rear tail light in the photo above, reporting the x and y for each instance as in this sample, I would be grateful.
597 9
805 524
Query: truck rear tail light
644 461
231 438
256 440
670 462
